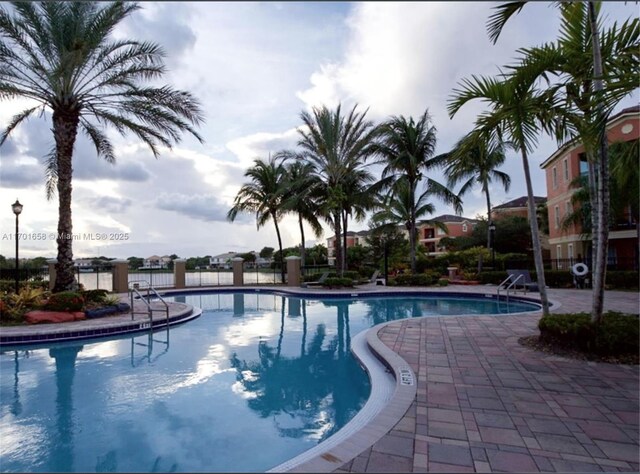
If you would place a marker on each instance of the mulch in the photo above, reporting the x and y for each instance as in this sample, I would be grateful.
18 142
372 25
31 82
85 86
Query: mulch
534 342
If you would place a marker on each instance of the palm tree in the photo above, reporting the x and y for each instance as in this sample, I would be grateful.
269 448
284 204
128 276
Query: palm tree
588 59
301 194
60 55
475 160
263 195
403 207
407 148
338 146
518 113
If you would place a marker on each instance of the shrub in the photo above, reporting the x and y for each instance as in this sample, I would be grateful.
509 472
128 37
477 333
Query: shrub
421 279
336 282
617 334
94 296
494 277
14 306
622 280
557 278
443 282
65 301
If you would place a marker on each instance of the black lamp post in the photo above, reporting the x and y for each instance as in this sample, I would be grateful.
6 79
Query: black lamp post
17 209
492 236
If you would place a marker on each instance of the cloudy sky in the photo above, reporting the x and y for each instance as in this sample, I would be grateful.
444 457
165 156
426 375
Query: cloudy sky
255 67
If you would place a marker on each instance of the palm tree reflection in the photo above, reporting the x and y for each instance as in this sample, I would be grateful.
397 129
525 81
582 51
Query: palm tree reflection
319 390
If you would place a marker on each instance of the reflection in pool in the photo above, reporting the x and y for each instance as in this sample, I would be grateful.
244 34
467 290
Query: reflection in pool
256 380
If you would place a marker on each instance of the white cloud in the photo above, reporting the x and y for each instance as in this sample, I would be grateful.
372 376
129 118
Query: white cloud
255 66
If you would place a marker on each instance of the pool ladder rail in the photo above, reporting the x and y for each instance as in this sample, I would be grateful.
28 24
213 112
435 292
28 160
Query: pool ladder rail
134 290
509 287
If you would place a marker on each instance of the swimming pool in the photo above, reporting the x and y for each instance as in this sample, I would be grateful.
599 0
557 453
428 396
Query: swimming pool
256 380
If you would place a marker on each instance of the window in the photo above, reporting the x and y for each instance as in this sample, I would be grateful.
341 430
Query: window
441 231
570 252
567 209
554 177
565 169
559 256
557 216
464 227
584 166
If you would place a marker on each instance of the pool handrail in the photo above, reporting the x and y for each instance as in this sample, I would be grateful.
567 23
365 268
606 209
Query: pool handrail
134 289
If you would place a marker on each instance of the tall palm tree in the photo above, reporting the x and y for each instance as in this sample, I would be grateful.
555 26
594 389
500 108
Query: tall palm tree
474 161
338 146
62 57
301 193
402 206
517 113
263 195
407 147
590 60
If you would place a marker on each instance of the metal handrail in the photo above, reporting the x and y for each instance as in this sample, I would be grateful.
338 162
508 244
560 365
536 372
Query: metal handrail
508 287
134 289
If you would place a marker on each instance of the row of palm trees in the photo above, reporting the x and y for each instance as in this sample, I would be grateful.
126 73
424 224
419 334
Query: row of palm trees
329 177
566 89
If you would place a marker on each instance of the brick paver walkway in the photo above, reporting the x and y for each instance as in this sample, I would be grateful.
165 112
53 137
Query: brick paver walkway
487 404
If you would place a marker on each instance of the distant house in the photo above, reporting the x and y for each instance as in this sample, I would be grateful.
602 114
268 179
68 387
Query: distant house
156 262
429 236
516 207
83 264
222 261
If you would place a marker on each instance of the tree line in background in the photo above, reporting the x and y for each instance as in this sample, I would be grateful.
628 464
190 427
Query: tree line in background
566 89
61 55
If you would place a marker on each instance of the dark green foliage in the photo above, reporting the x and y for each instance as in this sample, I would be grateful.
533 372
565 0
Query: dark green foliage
495 277
443 282
9 286
337 282
65 301
557 278
622 280
616 334
420 279
94 296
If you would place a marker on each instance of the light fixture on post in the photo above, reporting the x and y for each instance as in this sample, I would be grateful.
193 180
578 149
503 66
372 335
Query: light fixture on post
492 236
17 209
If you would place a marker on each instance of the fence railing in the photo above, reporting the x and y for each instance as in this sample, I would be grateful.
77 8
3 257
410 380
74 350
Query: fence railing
613 263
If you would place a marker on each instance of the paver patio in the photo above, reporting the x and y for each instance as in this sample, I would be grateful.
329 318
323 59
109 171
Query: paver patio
487 404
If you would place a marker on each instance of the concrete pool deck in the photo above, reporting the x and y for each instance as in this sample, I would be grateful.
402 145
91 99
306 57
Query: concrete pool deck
484 403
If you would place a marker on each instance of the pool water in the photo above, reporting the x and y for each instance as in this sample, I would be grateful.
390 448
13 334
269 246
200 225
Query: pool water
253 382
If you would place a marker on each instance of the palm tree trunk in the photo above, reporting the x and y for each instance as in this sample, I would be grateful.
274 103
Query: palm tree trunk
345 223
302 249
489 243
65 129
275 221
412 231
602 230
337 227
535 235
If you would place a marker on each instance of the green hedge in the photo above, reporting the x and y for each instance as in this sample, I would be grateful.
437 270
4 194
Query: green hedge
617 334
420 279
622 280
336 282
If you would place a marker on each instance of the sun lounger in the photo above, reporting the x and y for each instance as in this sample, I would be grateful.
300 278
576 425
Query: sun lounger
318 282
522 279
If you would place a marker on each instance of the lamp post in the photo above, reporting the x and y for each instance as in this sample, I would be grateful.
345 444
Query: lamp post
492 235
17 209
